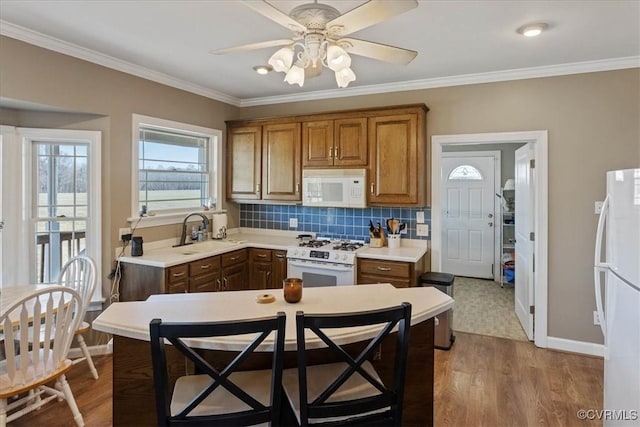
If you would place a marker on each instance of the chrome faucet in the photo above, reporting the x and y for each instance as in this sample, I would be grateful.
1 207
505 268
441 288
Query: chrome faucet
183 236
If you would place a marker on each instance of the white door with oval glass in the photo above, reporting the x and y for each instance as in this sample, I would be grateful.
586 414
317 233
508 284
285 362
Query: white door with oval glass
468 213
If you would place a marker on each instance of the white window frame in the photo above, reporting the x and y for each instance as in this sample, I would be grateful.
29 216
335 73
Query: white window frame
25 270
215 160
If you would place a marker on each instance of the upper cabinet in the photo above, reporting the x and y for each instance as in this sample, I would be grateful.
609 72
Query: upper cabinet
398 159
264 162
335 143
244 155
265 157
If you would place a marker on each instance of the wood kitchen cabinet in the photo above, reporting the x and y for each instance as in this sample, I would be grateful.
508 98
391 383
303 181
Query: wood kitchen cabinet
205 275
398 159
264 162
339 142
260 268
281 166
399 273
244 157
235 271
278 268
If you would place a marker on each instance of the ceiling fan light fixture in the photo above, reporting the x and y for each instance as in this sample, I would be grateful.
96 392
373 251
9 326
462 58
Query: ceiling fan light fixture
533 30
344 77
295 75
337 58
281 60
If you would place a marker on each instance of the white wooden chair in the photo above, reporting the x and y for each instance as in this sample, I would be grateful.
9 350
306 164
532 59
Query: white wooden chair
37 356
79 273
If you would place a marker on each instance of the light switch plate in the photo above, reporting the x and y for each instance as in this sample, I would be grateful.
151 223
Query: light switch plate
293 222
420 217
422 230
598 206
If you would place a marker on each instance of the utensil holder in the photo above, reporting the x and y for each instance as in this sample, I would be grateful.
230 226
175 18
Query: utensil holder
394 241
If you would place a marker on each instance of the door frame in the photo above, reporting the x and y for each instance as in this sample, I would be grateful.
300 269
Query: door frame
497 180
540 141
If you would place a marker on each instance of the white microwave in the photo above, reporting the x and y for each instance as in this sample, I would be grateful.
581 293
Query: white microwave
340 188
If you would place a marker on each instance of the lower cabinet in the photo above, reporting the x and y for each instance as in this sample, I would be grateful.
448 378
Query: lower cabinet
268 268
204 275
400 274
235 272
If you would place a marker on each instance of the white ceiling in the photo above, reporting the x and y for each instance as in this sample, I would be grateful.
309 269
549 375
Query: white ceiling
458 42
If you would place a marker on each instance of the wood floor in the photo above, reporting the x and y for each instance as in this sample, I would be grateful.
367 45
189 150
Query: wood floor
481 381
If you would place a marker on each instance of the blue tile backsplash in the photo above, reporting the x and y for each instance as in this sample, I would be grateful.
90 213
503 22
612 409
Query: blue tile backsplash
338 223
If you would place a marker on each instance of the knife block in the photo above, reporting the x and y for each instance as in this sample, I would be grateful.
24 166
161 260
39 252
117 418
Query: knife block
378 242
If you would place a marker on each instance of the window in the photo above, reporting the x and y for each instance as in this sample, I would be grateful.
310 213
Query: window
466 172
176 167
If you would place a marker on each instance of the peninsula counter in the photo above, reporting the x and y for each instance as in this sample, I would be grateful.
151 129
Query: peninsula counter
133 398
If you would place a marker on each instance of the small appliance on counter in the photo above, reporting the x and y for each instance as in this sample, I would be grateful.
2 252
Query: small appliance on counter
136 246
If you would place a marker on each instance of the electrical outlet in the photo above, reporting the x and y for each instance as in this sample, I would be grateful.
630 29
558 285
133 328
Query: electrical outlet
422 230
420 217
293 222
123 232
598 207
596 318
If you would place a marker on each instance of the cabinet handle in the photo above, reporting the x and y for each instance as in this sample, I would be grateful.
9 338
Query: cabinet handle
372 187
178 274
335 153
204 267
234 258
219 284
257 188
384 268
279 256
297 187
224 284
330 153
268 279
262 255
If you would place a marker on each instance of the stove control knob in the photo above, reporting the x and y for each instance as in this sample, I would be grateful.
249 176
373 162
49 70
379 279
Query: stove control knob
336 256
303 253
344 257
295 252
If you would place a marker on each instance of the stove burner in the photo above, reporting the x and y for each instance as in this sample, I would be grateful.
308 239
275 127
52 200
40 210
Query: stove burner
347 246
314 243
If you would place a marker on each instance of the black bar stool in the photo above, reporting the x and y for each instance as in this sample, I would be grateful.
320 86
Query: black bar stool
444 337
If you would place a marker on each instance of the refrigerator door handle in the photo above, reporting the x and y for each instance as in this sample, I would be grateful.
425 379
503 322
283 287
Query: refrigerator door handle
600 266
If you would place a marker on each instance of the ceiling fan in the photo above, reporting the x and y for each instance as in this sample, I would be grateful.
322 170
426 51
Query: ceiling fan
318 38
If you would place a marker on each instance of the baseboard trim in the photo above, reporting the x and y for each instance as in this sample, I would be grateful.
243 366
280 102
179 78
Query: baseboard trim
95 350
588 348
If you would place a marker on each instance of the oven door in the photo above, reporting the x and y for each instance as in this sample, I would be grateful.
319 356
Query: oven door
316 274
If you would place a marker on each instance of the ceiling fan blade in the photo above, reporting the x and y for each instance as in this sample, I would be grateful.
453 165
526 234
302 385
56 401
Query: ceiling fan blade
381 52
252 46
276 15
368 14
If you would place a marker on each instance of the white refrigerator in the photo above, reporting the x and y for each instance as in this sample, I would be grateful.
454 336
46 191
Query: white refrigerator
617 276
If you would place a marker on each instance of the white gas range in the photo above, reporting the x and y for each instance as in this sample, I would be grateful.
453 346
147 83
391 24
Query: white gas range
324 262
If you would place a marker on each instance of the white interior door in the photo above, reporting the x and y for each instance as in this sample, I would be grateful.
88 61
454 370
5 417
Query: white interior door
524 227
468 212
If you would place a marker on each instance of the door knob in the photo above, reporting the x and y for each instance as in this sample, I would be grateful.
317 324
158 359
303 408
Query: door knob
490 215
490 224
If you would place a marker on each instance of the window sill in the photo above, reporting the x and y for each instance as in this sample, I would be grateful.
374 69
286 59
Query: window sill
167 219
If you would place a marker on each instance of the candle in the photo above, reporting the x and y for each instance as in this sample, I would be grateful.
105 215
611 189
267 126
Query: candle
292 289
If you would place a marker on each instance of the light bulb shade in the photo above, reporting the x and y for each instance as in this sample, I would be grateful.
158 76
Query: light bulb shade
295 75
344 77
510 184
281 60
337 58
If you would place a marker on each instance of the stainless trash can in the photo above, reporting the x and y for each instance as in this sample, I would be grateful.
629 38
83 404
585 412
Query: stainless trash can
443 335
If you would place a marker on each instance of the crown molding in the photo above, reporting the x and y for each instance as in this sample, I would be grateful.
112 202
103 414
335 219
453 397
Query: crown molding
33 37
465 79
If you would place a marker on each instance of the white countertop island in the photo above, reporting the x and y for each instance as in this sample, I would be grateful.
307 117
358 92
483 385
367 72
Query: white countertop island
133 392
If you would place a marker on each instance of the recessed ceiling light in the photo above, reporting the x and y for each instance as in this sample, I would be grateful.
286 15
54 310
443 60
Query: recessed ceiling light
263 69
532 30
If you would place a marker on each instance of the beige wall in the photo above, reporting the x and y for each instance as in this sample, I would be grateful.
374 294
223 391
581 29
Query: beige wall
592 121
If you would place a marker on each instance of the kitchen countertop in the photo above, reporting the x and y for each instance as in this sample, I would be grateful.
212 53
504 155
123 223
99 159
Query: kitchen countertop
166 256
131 319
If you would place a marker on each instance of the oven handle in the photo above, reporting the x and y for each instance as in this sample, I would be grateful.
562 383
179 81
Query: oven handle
332 267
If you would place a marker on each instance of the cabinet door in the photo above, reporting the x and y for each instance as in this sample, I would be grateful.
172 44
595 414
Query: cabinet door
278 268
244 146
281 162
204 275
260 275
317 143
350 145
234 277
394 158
